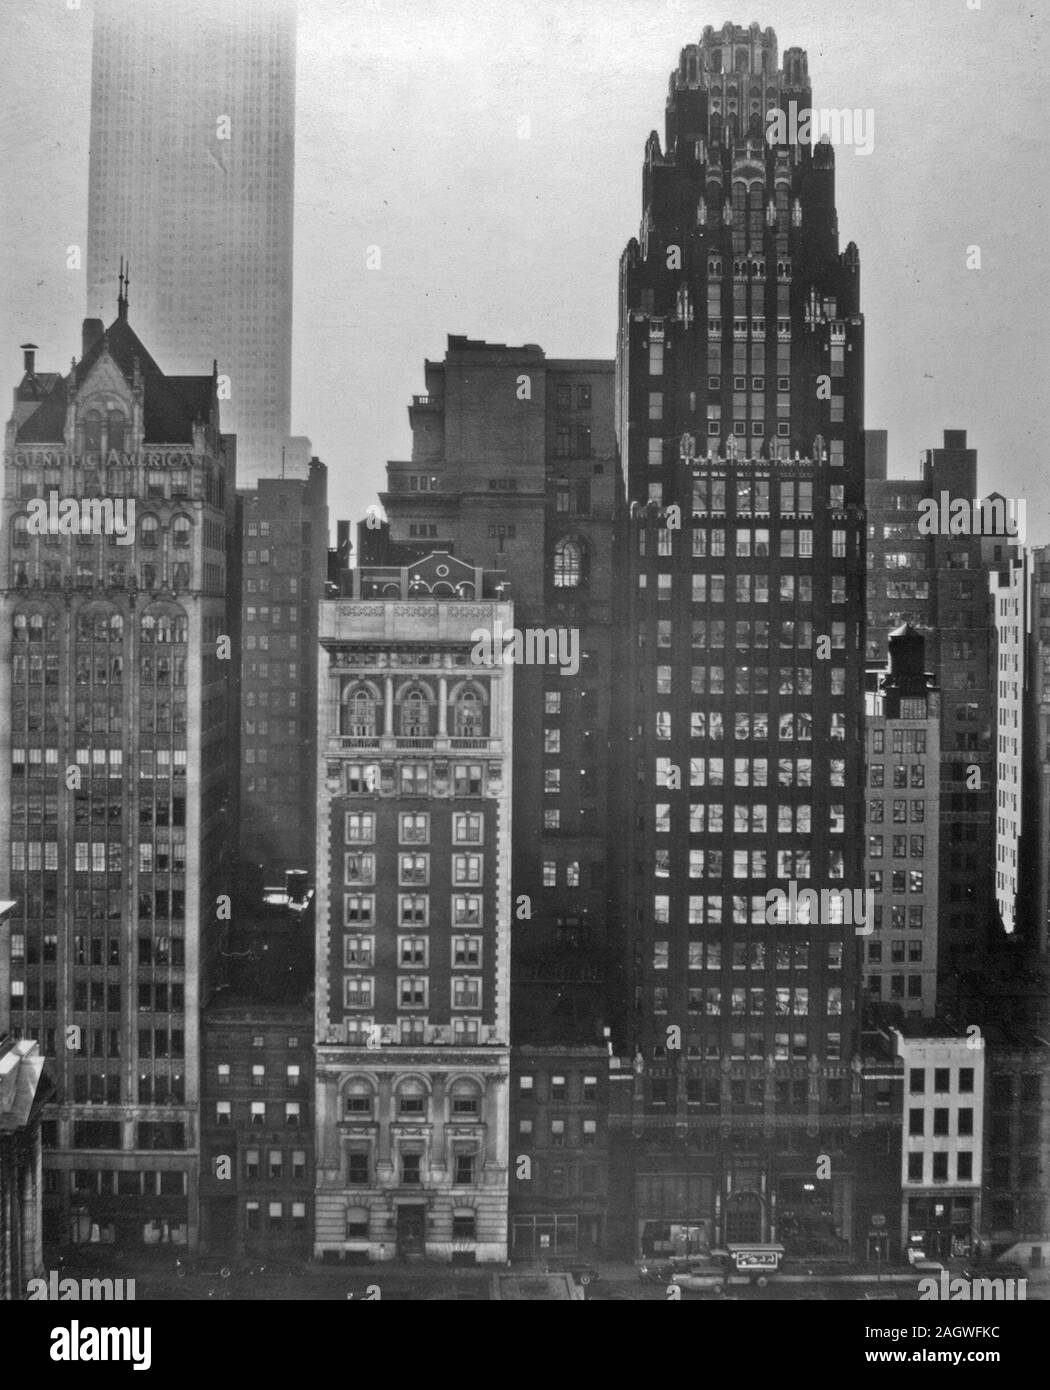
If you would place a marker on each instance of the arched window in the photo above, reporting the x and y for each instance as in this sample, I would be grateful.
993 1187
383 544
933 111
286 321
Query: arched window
415 715
149 529
92 432
411 1097
467 721
360 715
465 1102
21 627
360 1099
568 564
116 426
180 532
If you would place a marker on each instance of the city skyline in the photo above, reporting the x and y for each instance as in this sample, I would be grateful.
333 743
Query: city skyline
367 155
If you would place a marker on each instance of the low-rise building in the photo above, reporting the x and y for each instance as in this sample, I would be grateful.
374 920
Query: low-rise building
559 1151
943 1140
23 1090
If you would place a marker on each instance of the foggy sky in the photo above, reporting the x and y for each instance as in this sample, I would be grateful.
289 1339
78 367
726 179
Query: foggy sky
407 139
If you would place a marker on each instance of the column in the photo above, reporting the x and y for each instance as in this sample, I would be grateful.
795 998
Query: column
388 707
442 730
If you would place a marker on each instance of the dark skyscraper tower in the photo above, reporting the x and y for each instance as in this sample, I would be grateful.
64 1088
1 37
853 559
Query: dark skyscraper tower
739 405
192 167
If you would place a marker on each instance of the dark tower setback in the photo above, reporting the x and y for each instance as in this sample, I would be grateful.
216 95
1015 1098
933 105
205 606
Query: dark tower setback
739 419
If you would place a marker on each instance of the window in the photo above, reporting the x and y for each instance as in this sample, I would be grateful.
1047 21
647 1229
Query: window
940 1167
915 1167
568 564
359 1100
358 1175
223 1114
258 1112
916 1121
292 1114
464 1171
414 828
411 1169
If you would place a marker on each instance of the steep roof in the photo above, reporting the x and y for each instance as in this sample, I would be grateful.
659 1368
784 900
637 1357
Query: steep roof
171 403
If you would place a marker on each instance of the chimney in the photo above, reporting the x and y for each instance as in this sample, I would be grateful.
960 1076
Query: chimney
90 334
29 359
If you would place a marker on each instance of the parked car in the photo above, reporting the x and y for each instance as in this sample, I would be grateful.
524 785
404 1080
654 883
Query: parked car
211 1268
705 1274
655 1271
583 1273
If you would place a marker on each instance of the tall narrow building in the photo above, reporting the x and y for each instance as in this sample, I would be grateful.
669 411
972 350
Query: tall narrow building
740 392
116 743
191 178
284 560
413 917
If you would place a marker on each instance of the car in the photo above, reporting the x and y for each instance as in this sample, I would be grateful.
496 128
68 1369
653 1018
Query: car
655 1271
210 1268
583 1273
704 1275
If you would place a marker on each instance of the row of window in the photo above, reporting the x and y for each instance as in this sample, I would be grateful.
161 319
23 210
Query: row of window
753 680
756 863
414 779
750 726
710 588
416 711
413 909
788 1001
754 819
910 951
413 827
359 951
272 1163
150 529
748 635
939 1167
410 1164
257 1074
747 955
413 869
413 992
260 1113
749 772
275 1216
362 1031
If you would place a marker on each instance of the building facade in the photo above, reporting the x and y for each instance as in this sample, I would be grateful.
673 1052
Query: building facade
257 1140
739 420
902 734
284 557
942 1154
24 1089
191 178
514 466
559 1127
937 581
1009 590
118 740
414 915
1016 1214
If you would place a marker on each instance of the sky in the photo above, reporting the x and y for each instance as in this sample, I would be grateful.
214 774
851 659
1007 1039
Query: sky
492 151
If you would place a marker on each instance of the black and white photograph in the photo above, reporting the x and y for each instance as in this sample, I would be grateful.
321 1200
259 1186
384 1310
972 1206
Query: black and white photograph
524 672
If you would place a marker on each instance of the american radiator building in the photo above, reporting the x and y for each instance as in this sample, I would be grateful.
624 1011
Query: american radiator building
739 414
413 914
117 511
